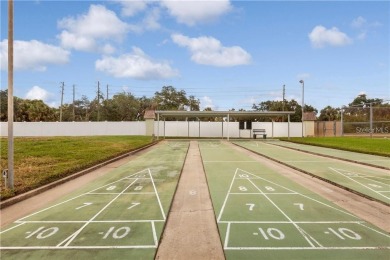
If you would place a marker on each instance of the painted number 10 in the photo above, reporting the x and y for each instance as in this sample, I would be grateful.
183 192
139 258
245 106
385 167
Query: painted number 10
42 233
344 233
118 233
272 233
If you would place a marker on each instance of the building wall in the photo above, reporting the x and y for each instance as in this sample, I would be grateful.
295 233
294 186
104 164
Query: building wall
168 128
149 125
327 128
309 128
217 129
74 128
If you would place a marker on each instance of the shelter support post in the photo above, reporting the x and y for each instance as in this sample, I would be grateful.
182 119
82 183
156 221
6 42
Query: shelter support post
228 132
158 126
288 116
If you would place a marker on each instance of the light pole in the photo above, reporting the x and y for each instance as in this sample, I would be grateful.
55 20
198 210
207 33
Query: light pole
303 102
10 177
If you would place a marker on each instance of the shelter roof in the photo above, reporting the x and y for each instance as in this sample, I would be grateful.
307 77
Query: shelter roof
222 113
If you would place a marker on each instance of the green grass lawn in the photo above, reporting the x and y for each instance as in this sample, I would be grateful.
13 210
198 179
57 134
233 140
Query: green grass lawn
39 161
375 146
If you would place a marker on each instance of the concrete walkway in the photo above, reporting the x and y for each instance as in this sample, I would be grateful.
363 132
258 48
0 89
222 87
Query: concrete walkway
191 231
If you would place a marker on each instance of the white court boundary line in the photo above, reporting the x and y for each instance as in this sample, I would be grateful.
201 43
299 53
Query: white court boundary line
308 238
226 198
305 196
158 197
338 171
70 238
366 177
229 248
319 247
65 243
308 248
63 202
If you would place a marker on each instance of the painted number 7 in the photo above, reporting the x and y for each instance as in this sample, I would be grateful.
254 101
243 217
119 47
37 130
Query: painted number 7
251 205
133 204
300 205
85 204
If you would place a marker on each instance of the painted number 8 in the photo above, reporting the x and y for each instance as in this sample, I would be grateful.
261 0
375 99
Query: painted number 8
242 188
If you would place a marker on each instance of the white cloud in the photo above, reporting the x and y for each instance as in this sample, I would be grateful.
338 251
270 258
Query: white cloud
135 65
192 12
150 22
39 93
363 27
207 102
209 51
33 55
321 37
108 49
132 7
84 31
359 22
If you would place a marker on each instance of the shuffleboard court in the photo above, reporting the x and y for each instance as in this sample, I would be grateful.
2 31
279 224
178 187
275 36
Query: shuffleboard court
263 215
370 182
120 215
373 160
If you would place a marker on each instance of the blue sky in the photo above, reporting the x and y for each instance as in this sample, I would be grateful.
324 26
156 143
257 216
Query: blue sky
228 54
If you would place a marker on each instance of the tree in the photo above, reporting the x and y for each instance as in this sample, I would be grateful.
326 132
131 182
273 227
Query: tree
329 114
193 103
358 110
122 107
3 105
362 99
33 111
171 99
81 107
291 105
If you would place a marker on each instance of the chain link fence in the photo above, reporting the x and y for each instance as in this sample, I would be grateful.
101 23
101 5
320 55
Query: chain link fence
366 121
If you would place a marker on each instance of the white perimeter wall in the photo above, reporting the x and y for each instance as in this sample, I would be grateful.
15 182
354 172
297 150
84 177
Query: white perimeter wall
217 129
75 128
278 129
168 128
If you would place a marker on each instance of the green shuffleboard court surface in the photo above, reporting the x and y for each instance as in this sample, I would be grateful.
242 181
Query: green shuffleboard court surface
119 216
263 215
375 160
371 182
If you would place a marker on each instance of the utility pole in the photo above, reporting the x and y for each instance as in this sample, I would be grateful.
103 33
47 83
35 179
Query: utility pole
98 100
284 92
74 116
303 103
10 173
107 93
371 129
62 99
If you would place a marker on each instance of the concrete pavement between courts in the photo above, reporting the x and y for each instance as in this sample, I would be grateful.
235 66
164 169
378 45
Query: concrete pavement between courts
206 200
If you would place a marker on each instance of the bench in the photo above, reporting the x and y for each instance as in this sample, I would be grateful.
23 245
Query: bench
259 132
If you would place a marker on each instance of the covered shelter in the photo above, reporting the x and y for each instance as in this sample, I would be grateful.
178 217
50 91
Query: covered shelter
161 114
